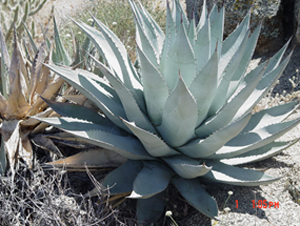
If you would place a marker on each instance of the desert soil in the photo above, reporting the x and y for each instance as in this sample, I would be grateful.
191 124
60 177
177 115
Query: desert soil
285 191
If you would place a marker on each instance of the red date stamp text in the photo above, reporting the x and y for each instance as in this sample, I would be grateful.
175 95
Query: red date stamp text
261 204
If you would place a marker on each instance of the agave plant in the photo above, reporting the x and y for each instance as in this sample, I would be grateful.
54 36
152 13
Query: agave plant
184 116
24 79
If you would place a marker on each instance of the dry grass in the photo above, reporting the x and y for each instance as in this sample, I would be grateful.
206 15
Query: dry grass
39 197
115 14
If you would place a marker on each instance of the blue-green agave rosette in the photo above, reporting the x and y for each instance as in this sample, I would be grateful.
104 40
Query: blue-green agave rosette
184 115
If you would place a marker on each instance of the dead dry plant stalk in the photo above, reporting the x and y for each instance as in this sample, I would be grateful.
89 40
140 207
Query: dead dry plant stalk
37 197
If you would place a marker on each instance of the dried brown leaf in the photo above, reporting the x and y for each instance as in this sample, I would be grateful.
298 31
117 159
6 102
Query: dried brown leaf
3 105
48 93
18 105
42 126
25 75
33 122
46 143
78 98
92 158
38 78
25 149
10 131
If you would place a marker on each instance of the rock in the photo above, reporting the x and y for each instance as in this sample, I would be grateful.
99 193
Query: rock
296 18
277 16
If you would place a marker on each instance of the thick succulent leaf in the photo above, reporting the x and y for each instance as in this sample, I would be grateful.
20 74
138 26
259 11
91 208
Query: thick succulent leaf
78 111
101 81
226 114
204 16
178 14
154 145
143 41
222 173
62 56
204 86
151 28
115 54
151 209
158 31
226 70
196 196
201 148
131 108
213 14
155 89
234 40
202 47
217 27
168 41
120 180
127 73
254 139
93 92
259 154
186 167
179 116
265 84
180 60
92 158
105 137
274 62
153 179
144 33
270 116
191 32
243 65
76 124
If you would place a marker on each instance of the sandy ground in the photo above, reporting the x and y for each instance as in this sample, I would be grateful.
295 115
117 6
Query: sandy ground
286 164
63 8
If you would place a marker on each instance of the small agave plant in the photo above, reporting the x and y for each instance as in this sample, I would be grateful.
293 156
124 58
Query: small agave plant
183 117
24 79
